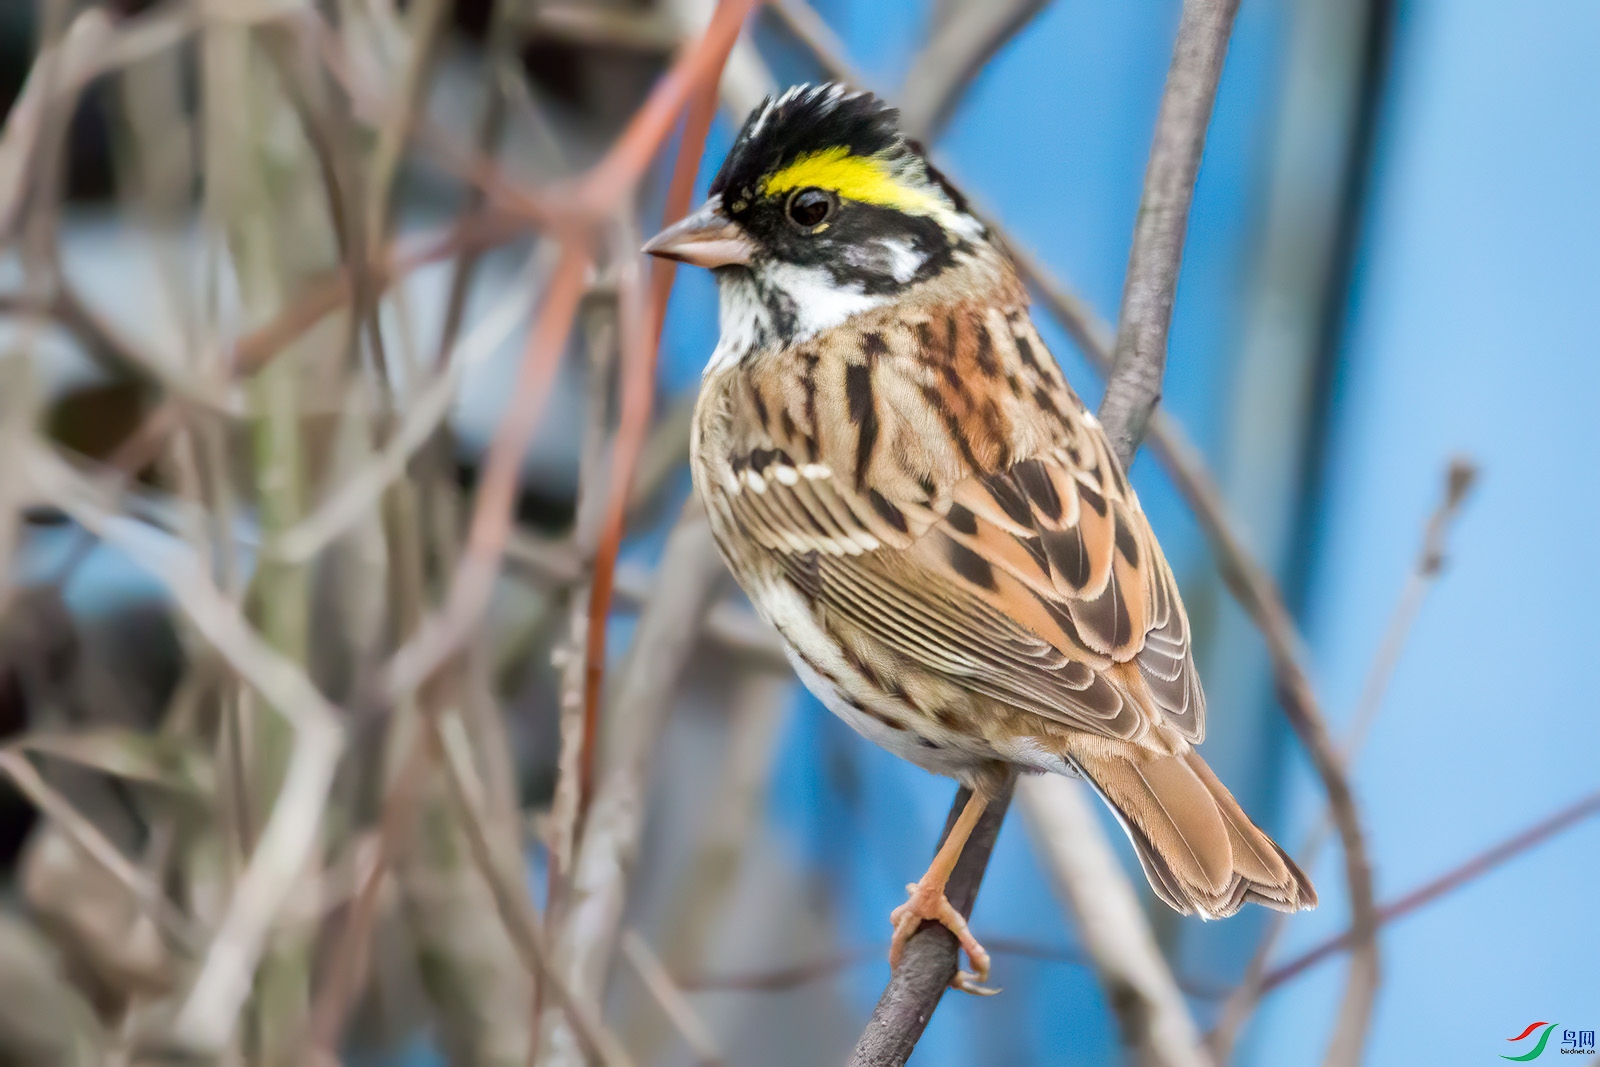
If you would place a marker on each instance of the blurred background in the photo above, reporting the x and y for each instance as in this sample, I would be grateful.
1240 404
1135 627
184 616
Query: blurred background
1390 268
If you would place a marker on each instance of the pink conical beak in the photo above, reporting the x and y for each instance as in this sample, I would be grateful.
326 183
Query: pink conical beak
706 238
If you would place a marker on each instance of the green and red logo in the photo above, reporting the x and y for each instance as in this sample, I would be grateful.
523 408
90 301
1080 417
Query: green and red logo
1573 1042
1537 1049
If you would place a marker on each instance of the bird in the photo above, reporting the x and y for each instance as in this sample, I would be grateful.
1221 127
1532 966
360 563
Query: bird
905 485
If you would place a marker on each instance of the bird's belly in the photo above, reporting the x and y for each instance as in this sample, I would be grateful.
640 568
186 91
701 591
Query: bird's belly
880 718
950 756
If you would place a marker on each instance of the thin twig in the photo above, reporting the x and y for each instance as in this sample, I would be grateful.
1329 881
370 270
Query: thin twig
696 1034
511 897
1140 356
961 46
439 637
149 898
666 635
1474 868
425 412
1458 480
731 625
289 838
1157 1027
641 339
341 977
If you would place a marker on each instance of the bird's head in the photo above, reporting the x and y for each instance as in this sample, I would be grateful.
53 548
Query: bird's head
823 208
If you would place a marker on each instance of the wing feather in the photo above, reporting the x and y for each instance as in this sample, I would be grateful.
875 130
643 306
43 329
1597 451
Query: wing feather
996 544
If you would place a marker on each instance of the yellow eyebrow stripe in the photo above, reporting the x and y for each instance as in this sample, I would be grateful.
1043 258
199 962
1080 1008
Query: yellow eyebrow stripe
860 178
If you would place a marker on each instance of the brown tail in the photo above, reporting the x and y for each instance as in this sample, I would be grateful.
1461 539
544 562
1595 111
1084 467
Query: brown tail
1199 849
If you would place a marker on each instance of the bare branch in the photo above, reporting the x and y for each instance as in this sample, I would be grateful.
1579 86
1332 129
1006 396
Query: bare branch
673 1003
289 838
929 964
1430 561
1451 880
1157 1026
511 897
968 35
1147 294
439 637
642 318
99 850
666 634
425 413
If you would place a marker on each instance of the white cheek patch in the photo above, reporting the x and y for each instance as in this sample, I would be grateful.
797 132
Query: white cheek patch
904 260
820 303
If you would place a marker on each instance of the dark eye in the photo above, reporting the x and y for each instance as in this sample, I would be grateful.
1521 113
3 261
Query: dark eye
809 207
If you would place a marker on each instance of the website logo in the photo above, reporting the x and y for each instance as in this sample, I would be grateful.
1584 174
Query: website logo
1573 1042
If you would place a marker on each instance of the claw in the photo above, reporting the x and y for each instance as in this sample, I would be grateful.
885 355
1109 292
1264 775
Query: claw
929 902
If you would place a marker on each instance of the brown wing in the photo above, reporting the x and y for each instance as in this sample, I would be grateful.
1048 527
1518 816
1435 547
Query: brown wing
931 481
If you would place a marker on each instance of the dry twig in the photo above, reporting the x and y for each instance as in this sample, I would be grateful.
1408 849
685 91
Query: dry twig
673 1003
967 36
1459 479
1157 1027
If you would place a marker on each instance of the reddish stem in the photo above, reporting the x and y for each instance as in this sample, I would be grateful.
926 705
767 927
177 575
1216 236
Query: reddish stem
643 340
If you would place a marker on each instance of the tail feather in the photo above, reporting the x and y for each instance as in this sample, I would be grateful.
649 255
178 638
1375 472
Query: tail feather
1198 848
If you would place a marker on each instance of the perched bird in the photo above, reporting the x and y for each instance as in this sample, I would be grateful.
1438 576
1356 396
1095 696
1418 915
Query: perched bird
904 483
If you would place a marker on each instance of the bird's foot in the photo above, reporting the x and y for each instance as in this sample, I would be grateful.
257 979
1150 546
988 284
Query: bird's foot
927 901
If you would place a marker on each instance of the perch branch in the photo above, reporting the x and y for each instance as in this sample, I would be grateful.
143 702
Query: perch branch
929 962
1131 393
1140 356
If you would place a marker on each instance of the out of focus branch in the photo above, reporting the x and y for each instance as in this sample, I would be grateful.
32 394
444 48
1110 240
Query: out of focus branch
504 875
642 318
966 38
1458 481
1079 862
1131 394
730 625
289 837
100 851
666 634
1451 880
673 1003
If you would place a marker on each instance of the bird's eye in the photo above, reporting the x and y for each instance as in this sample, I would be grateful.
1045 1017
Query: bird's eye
810 207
